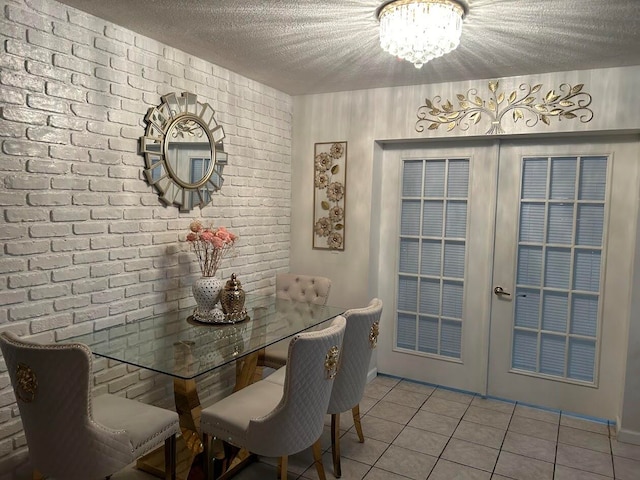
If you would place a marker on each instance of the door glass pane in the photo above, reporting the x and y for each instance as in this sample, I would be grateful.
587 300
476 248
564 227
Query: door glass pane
532 222
458 179
554 311
451 338
587 270
529 265
525 350
431 258
560 215
431 267
593 175
432 220
452 299
409 255
589 225
563 178
584 315
557 267
534 178
552 354
559 262
428 334
582 354
434 178
454 259
456 219
410 217
407 293
412 179
430 296
406 334
527 308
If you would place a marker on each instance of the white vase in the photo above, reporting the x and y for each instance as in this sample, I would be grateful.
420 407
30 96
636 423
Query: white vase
206 292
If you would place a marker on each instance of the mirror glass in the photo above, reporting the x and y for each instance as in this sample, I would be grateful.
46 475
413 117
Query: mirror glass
183 151
188 151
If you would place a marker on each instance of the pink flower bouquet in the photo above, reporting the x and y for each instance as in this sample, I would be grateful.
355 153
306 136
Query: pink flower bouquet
211 245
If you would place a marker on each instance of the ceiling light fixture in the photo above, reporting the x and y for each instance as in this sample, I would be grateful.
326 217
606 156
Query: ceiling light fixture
420 30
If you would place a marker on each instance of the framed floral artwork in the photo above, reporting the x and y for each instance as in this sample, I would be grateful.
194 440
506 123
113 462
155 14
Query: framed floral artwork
329 194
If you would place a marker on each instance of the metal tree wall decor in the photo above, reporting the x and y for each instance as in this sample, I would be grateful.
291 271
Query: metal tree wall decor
330 177
524 104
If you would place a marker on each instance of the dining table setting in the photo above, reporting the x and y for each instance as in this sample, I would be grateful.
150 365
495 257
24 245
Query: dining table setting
180 345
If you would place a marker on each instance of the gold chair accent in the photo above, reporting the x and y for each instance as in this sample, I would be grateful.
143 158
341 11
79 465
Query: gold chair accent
26 382
373 335
331 362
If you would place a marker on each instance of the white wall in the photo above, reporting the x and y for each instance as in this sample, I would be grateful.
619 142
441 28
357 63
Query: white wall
368 118
85 241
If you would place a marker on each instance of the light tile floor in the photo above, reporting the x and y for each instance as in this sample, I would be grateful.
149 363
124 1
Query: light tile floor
415 431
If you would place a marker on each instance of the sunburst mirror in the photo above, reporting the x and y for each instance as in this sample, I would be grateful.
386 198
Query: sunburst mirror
183 151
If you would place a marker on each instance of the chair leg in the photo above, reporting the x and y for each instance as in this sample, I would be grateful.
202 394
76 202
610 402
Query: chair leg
317 458
282 467
335 444
207 456
170 458
356 422
37 475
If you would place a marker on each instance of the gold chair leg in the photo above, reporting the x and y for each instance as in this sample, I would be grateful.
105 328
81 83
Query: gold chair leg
317 458
37 475
170 458
356 422
335 444
282 467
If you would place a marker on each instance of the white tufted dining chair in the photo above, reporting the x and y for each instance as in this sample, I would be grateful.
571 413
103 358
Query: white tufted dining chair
278 420
298 288
70 435
360 338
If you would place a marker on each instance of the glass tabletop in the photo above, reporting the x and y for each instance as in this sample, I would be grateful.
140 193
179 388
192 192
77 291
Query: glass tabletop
175 344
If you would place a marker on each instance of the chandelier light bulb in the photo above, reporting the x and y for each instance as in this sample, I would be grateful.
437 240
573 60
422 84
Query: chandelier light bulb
420 30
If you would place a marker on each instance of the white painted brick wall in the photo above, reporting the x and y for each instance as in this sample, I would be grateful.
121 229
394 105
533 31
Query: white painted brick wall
86 242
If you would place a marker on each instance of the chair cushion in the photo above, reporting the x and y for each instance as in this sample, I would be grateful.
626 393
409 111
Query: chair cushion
229 418
303 288
146 425
276 354
278 376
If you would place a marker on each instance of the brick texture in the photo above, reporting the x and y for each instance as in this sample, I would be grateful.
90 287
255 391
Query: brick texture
86 242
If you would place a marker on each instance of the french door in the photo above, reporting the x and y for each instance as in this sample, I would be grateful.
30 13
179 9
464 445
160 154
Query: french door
512 268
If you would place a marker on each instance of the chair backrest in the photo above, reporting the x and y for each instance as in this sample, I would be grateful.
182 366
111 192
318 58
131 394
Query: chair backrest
298 420
360 338
303 288
52 388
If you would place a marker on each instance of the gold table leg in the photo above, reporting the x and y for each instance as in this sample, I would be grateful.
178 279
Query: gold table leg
189 444
231 458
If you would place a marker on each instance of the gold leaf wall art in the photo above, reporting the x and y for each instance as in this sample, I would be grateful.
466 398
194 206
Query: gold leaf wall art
526 104
329 195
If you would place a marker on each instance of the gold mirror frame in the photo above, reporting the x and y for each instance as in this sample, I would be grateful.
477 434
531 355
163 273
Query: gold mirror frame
183 118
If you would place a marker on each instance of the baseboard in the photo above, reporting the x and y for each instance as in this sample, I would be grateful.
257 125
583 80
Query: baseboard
373 373
629 436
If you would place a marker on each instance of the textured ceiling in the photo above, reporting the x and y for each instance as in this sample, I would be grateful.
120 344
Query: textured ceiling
315 46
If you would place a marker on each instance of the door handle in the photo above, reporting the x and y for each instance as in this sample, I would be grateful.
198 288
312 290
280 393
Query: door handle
500 292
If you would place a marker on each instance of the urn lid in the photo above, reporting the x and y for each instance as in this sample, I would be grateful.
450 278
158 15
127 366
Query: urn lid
233 283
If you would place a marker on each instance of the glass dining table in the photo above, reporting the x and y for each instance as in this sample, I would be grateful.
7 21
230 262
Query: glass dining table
174 344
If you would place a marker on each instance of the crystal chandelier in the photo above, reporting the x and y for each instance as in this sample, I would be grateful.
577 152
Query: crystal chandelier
420 30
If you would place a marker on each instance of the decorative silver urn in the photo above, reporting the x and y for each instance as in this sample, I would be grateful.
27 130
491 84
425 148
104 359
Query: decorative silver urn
232 298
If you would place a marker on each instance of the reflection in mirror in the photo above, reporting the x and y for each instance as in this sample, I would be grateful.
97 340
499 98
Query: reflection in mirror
187 151
183 151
